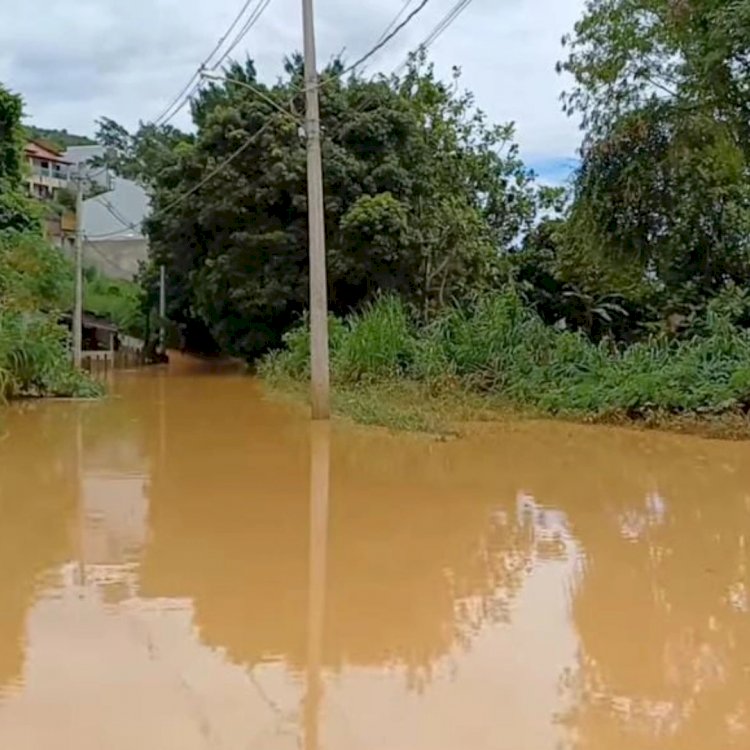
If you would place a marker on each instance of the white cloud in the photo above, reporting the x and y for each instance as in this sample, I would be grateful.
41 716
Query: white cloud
80 59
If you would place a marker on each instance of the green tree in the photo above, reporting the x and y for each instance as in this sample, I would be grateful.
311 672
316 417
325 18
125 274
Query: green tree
663 91
692 54
17 212
423 197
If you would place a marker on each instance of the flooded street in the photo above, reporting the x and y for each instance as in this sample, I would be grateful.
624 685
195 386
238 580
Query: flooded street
189 565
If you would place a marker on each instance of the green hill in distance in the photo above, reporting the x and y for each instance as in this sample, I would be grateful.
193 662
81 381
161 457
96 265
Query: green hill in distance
58 139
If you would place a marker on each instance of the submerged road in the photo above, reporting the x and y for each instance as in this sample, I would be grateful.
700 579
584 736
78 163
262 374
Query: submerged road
190 565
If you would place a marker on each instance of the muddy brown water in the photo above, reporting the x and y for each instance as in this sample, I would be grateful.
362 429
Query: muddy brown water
189 565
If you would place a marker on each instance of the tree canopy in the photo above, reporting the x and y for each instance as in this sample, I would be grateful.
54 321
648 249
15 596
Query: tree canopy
663 90
423 196
17 212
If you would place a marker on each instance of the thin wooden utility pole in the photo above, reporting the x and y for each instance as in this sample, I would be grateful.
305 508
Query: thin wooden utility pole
78 306
320 385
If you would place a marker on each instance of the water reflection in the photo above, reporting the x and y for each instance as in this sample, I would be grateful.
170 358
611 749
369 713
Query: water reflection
320 458
196 557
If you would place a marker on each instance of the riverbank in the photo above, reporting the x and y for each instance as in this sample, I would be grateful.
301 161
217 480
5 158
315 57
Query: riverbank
499 358
452 412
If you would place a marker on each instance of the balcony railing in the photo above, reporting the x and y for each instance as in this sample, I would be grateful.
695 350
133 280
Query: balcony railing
49 172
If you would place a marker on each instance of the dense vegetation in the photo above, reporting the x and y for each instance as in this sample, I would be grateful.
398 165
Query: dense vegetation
118 300
34 347
499 347
58 139
422 195
631 288
36 285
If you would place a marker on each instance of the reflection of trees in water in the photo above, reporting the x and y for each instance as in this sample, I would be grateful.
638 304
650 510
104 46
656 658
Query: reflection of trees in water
662 611
38 493
419 557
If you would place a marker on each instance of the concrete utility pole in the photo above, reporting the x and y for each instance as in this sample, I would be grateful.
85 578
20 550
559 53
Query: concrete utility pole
162 309
78 307
320 386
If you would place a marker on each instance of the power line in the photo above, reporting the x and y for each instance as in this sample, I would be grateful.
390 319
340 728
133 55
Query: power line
178 101
180 199
257 91
387 38
441 27
114 212
117 233
396 19
452 15
185 99
170 206
243 31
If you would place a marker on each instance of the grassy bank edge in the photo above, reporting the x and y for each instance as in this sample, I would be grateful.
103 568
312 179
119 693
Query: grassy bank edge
446 411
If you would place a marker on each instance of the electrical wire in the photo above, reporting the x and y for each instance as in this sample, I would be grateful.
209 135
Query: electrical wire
258 92
441 27
117 215
387 38
395 20
243 31
220 168
180 199
114 212
191 86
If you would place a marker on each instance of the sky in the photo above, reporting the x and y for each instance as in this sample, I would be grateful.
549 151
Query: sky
82 59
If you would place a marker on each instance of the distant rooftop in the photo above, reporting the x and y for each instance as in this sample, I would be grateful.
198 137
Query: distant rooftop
40 151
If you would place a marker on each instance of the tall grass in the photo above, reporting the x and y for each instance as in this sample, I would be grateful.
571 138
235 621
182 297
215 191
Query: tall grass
502 348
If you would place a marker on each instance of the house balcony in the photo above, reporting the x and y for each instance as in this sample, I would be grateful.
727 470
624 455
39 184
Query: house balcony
49 177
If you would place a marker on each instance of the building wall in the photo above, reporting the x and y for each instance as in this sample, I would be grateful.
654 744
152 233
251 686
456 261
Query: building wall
112 221
116 259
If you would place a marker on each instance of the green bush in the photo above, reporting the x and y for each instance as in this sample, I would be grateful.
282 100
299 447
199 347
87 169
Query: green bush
35 286
119 301
500 347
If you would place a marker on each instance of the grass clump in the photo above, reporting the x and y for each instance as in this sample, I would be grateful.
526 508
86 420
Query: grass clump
500 350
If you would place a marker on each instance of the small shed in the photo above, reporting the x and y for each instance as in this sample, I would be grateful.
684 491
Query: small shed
99 334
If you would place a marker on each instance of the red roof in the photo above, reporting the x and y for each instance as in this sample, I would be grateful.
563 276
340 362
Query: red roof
38 151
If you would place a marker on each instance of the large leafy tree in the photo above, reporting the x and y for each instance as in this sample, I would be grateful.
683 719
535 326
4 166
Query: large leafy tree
17 212
422 197
663 90
692 54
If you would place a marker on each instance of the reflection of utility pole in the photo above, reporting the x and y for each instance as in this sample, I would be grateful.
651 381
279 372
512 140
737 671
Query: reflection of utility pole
78 306
320 450
320 386
162 309
80 508
162 422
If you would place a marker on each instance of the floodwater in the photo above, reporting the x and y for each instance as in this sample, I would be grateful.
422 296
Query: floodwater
190 565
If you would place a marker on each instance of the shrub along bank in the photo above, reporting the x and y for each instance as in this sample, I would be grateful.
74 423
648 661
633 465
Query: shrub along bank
500 350
35 286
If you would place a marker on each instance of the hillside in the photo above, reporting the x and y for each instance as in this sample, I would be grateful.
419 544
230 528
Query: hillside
59 139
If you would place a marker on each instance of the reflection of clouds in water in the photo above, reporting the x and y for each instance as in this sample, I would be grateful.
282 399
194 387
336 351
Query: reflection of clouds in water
653 718
737 597
549 526
634 522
